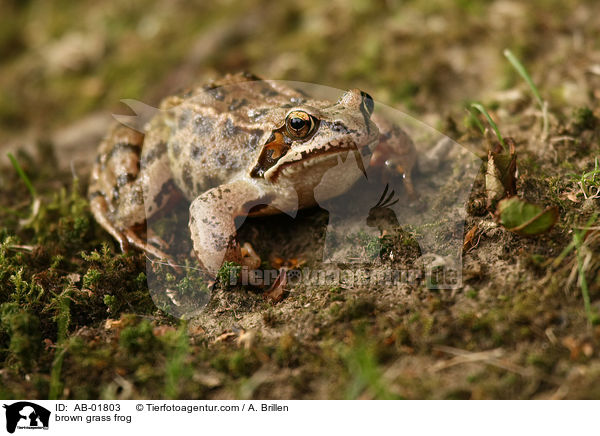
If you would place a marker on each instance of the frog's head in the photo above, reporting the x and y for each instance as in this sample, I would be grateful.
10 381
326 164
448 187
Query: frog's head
310 139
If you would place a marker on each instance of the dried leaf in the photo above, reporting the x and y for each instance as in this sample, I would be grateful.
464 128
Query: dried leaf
524 218
246 339
469 238
572 196
276 291
73 278
501 174
225 336
573 346
162 330
111 324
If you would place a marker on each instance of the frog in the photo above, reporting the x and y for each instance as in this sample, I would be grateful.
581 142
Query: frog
238 146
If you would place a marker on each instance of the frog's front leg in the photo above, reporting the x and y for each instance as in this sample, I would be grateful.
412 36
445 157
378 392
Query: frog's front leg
213 223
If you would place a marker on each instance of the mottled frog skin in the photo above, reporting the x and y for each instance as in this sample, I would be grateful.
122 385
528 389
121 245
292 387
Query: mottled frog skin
235 147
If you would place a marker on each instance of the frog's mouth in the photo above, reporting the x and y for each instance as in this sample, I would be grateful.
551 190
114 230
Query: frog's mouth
306 159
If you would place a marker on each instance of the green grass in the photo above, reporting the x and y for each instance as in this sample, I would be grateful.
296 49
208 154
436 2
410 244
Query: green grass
579 238
525 75
177 369
581 252
22 175
494 126
63 319
588 180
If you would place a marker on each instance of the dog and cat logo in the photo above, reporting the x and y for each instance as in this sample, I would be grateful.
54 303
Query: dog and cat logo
26 415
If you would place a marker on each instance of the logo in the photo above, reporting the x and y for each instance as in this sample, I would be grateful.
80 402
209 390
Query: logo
26 415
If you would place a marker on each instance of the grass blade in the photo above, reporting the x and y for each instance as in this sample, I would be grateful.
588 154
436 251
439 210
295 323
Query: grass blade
22 175
579 239
485 113
524 74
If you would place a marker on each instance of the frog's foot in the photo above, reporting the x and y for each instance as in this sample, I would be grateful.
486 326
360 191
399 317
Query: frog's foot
99 209
213 226
126 238
148 248
156 240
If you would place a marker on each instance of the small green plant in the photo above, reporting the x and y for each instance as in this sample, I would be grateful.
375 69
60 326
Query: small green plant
35 200
63 319
364 370
25 292
23 328
494 126
91 278
110 301
584 119
589 182
22 175
228 271
177 368
582 256
525 75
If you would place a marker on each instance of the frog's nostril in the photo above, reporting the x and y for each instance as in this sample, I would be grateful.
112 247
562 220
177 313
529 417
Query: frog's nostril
358 100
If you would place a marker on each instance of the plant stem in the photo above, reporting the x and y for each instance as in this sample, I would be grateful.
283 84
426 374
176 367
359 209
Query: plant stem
481 109
22 174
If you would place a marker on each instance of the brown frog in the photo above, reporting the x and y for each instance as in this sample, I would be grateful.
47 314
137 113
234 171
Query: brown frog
238 146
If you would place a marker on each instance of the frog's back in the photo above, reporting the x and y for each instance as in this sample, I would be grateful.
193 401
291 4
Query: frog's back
217 129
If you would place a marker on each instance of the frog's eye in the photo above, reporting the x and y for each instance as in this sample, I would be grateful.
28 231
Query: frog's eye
299 124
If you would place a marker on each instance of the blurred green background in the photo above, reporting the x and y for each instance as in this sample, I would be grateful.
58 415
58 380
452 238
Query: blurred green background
61 60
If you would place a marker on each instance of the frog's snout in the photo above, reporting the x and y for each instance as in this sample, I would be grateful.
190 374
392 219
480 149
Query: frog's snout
359 100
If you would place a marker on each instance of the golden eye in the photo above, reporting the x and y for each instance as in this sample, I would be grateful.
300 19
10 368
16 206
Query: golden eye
299 124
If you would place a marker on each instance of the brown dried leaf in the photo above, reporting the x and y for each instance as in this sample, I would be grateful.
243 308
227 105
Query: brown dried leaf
470 238
111 324
276 291
225 336
501 174
162 330
246 339
573 346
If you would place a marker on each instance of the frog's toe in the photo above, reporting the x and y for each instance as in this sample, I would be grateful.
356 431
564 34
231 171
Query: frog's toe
136 241
99 209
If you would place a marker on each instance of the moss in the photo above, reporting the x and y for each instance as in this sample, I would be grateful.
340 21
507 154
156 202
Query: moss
139 339
240 363
178 370
583 119
229 272
356 308
364 370
471 293
24 331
